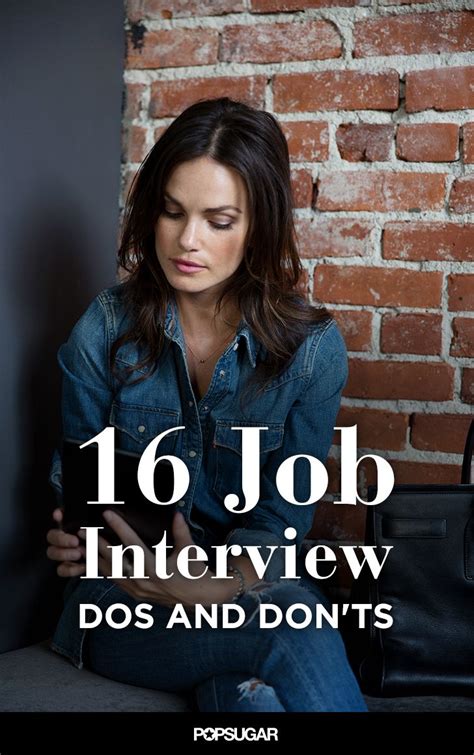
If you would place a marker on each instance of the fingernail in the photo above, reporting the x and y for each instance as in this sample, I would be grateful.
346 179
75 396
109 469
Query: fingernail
108 516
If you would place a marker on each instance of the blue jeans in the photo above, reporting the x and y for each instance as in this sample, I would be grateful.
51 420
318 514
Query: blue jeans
242 669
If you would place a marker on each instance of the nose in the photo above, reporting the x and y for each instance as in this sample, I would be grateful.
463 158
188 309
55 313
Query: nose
189 236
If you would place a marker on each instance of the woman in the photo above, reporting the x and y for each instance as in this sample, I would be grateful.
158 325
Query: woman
209 332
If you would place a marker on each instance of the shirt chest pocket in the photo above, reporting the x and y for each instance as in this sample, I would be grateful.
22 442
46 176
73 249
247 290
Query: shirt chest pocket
136 426
227 451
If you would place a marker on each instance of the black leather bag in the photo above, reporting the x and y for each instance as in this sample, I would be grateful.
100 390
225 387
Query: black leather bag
428 579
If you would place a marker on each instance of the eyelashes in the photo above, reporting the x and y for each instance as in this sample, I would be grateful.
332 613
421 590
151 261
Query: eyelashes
217 226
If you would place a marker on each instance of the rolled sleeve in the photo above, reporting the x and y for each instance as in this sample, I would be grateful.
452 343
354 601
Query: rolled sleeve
309 429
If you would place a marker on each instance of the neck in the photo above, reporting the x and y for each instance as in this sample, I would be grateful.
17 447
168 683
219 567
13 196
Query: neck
197 315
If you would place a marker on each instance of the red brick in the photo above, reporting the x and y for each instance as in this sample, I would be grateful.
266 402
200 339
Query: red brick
159 131
134 146
462 344
395 380
132 100
356 328
378 287
307 140
171 97
414 34
275 6
461 198
367 475
461 292
302 185
376 428
335 90
177 47
406 240
380 191
334 522
277 42
427 142
414 473
440 432
467 387
333 237
367 142
153 9
440 89
468 142
411 334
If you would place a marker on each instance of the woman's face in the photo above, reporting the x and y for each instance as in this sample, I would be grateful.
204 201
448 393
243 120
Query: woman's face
199 245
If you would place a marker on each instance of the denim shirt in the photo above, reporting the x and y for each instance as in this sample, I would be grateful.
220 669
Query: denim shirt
299 408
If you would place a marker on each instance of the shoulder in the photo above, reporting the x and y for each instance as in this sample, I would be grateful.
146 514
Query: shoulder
325 349
105 311
97 327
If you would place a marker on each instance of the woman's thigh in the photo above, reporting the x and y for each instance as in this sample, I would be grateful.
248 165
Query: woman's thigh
176 658
166 656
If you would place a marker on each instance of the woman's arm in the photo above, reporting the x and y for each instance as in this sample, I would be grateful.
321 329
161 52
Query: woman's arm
309 429
86 397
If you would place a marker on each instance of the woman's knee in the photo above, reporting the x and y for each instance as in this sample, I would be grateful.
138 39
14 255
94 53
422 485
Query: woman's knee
290 610
285 595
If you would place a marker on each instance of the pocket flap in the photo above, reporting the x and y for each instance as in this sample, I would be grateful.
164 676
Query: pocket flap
228 438
143 423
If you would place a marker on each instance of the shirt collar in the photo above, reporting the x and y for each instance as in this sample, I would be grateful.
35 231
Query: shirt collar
173 332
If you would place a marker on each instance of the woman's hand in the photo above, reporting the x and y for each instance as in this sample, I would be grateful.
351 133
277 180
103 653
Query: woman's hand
168 592
65 548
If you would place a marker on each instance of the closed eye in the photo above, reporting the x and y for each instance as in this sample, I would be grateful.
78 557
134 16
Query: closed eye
217 226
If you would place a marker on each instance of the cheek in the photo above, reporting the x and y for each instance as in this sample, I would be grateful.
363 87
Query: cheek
162 236
232 254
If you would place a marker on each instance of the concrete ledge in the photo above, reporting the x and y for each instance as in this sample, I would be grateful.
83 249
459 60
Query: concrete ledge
37 679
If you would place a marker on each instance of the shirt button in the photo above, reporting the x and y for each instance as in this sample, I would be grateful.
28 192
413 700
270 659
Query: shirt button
222 373
205 408
181 504
141 428
192 454
190 403
236 346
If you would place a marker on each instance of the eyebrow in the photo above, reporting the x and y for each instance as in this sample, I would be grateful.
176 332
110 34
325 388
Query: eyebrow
208 209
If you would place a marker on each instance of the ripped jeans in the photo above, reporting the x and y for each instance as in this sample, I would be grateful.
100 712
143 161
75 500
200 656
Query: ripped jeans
239 669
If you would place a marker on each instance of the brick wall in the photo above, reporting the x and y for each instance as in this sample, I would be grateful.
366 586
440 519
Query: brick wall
377 102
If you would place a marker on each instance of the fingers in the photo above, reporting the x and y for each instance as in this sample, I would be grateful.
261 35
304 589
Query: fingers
65 554
62 539
128 536
181 534
70 570
58 515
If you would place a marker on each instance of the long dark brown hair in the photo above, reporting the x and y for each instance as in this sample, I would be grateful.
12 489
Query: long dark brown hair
264 286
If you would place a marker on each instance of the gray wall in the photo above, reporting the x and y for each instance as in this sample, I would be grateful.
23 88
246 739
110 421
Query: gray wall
61 68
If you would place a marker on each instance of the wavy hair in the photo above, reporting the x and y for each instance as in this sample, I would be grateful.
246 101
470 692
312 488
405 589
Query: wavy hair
264 286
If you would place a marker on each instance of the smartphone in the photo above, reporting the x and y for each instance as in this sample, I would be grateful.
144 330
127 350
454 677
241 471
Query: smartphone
80 475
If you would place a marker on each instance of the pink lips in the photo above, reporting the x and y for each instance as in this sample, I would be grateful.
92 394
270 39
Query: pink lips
186 267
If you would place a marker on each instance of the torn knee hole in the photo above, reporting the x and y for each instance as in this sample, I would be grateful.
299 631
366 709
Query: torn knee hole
249 687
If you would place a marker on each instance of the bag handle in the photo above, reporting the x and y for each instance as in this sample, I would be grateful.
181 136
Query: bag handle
466 475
